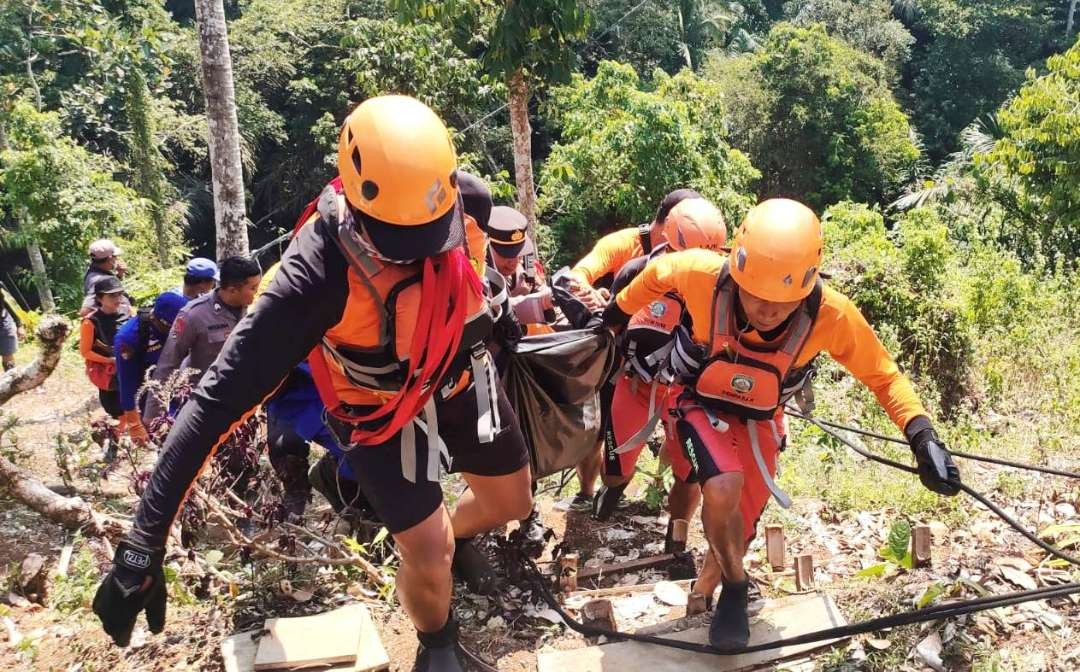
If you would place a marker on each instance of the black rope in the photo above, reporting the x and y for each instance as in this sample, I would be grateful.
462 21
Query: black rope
926 614
956 453
931 613
1049 548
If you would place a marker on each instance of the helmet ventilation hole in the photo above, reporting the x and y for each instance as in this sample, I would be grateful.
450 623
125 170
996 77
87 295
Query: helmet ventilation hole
356 159
369 190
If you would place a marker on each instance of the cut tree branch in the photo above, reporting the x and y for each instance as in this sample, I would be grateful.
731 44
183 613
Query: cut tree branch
51 333
70 512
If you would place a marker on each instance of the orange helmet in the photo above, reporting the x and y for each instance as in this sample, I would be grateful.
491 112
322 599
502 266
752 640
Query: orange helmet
777 251
398 170
695 222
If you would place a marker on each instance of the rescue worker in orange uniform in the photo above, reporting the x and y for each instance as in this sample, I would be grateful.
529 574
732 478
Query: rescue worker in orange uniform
591 280
646 391
597 269
382 287
760 317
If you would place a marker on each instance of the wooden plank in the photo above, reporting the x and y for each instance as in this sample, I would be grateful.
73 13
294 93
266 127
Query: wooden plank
65 559
775 547
804 572
238 652
780 619
921 544
371 656
628 566
332 638
695 604
568 572
599 614
624 590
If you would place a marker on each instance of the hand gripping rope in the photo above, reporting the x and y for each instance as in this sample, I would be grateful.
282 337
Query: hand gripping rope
926 614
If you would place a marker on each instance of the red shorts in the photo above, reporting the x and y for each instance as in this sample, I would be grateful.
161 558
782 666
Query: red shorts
713 452
629 413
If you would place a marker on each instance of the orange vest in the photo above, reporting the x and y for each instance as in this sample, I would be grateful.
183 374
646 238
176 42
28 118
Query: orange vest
752 381
367 352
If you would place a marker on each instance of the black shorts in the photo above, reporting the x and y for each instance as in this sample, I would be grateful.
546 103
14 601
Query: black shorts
110 401
401 504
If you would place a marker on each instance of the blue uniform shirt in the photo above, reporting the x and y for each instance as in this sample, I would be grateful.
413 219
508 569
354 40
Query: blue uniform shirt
134 358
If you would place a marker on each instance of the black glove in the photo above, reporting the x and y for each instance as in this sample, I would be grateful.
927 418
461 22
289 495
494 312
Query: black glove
121 596
614 317
937 471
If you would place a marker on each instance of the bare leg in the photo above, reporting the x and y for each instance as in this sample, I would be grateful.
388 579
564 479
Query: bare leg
730 627
683 500
588 470
709 578
723 524
423 579
492 501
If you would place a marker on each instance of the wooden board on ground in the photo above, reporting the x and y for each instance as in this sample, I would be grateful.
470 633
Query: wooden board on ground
780 619
308 639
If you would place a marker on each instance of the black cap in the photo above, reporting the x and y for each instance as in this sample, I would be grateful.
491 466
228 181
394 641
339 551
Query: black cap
108 285
408 243
508 230
671 200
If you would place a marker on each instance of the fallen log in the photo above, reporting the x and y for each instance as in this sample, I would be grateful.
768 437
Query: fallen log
51 333
72 513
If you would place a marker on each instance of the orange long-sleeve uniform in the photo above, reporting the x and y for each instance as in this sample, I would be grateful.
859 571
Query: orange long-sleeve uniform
840 329
609 255
86 344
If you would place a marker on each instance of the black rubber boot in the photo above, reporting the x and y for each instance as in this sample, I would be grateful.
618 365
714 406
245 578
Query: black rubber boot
440 651
730 627
670 545
533 535
292 471
607 500
472 567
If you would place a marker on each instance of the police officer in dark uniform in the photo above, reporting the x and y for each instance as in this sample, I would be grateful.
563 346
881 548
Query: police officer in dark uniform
202 326
514 256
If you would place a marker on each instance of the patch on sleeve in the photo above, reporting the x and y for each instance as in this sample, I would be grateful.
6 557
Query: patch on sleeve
178 326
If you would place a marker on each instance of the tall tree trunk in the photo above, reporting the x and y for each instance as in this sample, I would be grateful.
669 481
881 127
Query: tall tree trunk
149 176
33 250
225 165
1069 21
522 132
37 267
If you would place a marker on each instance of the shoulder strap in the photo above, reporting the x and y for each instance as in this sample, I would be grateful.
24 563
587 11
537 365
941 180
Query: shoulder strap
143 316
721 305
645 235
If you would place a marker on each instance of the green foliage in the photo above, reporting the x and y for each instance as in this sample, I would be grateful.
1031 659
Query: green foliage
823 126
68 195
670 35
622 148
897 548
900 283
868 26
1039 154
973 56
76 590
535 36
